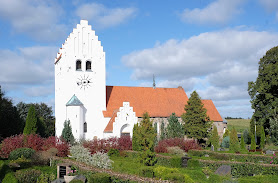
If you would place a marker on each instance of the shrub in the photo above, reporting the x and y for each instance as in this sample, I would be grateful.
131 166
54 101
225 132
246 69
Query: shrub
113 152
99 177
9 144
9 178
146 172
188 179
41 158
124 143
176 177
161 171
33 141
21 152
22 162
45 178
3 169
246 136
226 142
67 132
242 144
76 181
180 142
214 139
27 176
226 134
175 151
234 144
63 148
103 145
191 163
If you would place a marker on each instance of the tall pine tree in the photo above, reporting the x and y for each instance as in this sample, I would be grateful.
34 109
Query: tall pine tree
214 138
174 128
196 121
67 132
31 122
234 143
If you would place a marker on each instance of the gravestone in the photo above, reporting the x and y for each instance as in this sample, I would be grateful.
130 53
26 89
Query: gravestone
269 152
224 170
212 147
184 161
206 155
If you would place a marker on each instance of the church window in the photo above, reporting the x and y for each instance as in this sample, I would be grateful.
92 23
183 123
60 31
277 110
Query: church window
85 127
88 65
78 65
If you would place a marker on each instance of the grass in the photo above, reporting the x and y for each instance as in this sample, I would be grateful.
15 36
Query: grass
259 179
239 124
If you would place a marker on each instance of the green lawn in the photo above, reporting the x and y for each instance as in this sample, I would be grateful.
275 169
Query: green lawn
239 124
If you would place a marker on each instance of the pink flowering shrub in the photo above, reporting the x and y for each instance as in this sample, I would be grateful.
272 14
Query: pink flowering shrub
180 142
274 159
104 145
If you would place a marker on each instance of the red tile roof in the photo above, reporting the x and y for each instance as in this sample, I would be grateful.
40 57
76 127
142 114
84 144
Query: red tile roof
109 127
159 102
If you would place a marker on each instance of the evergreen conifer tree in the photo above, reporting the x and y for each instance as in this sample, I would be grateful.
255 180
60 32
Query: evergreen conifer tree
253 143
174 128
155 131
214 139
242 143
31 122
234 144
262 142
135 137
67 132
162 131
196 121
227 133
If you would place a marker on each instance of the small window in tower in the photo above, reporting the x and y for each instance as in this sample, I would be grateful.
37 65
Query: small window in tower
85 127
78 65
88 65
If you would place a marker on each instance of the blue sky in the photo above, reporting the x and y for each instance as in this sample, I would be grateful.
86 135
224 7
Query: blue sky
212 46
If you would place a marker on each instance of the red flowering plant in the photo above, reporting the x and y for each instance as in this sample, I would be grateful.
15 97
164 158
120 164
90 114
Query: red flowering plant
274 159
72 172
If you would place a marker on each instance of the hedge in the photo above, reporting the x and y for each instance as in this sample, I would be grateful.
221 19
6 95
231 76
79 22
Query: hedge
240 169
232 156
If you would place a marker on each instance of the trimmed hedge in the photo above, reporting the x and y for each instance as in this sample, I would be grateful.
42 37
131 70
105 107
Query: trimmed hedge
9 178
239 169
232 156
18 153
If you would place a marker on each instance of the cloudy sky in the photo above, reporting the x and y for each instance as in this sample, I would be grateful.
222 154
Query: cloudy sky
211 46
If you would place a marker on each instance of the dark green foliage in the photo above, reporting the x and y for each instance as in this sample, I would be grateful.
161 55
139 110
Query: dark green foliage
99 177
21 152
146 172
4 168
9 178
273 129
135 137
155 131
227 133
214 138
253 143
263 92
234 144
27 176
246 136
44 113
31 122
162 131
226 142
76 181
196 121
173 162
262 142
113 152
67 132
145 139
10 122
242 143
46 177
192 163
176 177
174 128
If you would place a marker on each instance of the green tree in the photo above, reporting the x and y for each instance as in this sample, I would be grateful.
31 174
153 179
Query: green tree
174 128
234 144
196 121
155 131
253 142
214 138
162 131
273 129
263 92
67 132
145 139
10 122
31 122
246 136
262 142
242 143
226 134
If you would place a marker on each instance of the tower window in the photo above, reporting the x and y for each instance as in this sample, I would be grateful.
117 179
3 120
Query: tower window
88 65
85 127
78 65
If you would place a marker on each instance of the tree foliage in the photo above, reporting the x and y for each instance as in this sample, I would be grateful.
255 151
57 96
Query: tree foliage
253 142
273 129
262 141
234 144
196 121
31 122
67 132
246 136
214 138
135 137
263 92
162 131
174 128
242 143
227 133
10 122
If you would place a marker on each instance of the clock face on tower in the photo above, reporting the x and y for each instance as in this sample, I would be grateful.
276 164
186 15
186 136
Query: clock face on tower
84 82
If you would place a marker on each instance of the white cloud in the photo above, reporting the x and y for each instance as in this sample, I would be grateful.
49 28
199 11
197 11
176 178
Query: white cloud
217 12
38 19
104 17
270 5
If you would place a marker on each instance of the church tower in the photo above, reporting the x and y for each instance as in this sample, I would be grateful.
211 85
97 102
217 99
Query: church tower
80 88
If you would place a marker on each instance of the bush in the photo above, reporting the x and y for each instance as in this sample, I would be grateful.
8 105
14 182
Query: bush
175 151
45 178
191 163
63 148
27 176
185 145
9 144
22 162
188 179
41 158
113 152
99 177
234 144
124 143
226 142
9 178
176 177
76 181
161 171
146 172
103 145
21 152
3 169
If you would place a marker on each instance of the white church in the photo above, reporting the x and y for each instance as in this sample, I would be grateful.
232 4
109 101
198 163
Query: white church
99 111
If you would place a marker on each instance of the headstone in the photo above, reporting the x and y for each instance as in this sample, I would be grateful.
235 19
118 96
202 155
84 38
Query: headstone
212 147
224 170
184 161
222 149
269 152
206 155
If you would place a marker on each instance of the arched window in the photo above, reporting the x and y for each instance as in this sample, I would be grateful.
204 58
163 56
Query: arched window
88 65
85 127
78 65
